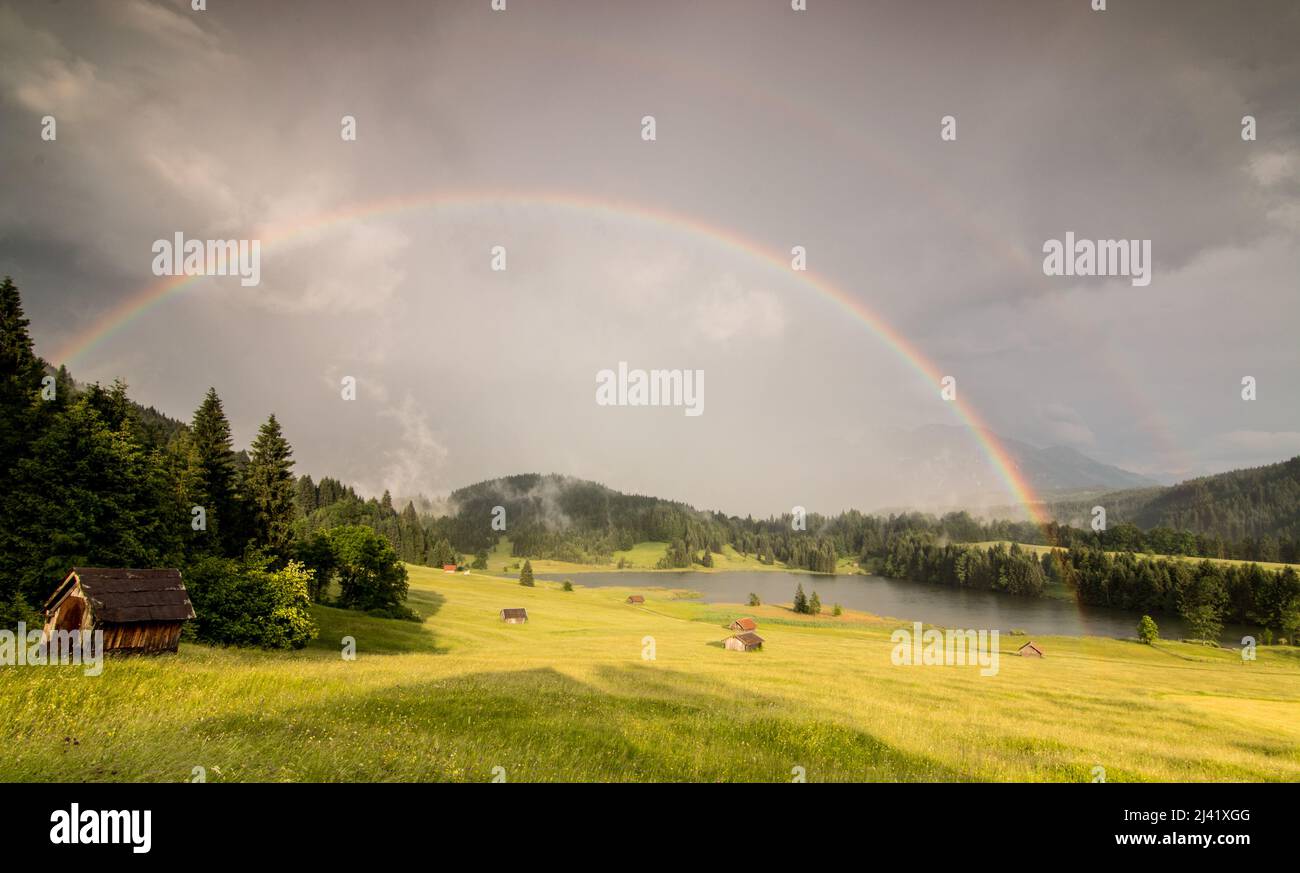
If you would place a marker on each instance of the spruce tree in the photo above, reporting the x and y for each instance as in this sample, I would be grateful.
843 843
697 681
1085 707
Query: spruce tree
526 575
20 378
214 477
307 496
800 599
269 487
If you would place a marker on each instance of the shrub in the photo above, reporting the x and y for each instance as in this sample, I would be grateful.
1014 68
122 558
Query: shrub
567 586
1147 630
18 610
753 599
402 613
837 610
244 603
371 576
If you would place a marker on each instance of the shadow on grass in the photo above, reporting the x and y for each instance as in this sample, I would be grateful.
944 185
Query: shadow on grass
384 636
634 724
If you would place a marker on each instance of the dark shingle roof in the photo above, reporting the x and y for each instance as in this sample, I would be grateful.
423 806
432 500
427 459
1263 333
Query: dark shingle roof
507 614
750 639
125 596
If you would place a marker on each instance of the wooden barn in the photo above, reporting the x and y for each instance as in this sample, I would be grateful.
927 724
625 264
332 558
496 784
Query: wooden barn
746 642
514 616
743 624
139 611
1030 650
635 599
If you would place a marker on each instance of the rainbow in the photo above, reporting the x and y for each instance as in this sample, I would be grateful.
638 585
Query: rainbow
152 295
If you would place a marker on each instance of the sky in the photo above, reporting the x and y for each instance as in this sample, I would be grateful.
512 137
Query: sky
774 128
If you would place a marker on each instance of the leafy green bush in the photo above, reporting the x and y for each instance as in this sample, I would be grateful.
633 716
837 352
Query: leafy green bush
403 613
1147 630
370 574
245 603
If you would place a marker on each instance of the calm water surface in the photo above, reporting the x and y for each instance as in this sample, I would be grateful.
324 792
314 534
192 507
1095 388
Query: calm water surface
896 598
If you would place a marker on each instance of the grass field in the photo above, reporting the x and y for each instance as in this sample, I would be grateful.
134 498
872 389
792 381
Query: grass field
569 696
641 557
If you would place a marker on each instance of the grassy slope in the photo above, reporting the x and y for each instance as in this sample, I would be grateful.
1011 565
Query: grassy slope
568 696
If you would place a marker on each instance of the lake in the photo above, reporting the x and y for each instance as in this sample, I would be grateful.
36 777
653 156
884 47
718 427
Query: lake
897 598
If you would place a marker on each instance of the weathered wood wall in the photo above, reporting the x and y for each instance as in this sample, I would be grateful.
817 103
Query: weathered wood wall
141 636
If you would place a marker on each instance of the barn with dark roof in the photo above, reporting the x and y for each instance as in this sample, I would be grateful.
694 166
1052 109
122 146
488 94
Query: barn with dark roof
138 610
746 642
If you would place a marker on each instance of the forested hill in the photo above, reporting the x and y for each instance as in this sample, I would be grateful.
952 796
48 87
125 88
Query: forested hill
1256 503
553 513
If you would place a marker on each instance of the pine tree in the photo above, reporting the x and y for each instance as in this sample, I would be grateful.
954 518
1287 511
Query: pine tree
412 536
800 600
20 378
269 486
213 474
307 496
526 575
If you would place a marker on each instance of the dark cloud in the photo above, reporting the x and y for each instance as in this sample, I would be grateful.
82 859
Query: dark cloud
818 128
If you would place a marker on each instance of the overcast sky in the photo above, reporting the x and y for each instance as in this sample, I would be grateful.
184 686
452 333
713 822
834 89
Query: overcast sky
818 128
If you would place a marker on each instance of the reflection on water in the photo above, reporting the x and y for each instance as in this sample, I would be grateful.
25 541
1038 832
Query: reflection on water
911 601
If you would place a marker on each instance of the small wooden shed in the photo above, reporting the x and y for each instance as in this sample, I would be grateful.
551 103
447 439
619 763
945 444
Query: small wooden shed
514 616
1030 650
635 598
449 568
743 624
139 611
746 642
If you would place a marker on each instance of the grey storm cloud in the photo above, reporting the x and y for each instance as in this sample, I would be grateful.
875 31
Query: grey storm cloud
522 129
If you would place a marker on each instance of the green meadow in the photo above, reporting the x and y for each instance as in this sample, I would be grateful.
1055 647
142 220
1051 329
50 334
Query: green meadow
570 696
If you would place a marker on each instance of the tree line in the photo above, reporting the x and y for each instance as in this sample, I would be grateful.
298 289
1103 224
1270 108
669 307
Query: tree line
1206 594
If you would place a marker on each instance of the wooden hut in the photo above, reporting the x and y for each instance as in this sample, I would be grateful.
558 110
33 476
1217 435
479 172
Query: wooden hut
138 610
743 624
635 599
514 616
746 642
1030 650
